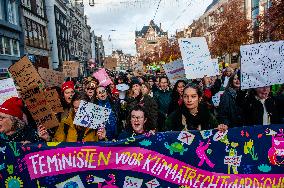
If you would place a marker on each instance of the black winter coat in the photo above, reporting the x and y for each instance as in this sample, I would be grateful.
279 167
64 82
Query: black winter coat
229 111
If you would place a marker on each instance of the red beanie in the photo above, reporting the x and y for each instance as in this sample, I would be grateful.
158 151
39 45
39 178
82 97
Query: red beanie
115 91
67 85
13 107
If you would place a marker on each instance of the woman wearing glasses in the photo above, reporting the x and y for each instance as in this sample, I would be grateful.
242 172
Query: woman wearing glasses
102 99
138 123
193 114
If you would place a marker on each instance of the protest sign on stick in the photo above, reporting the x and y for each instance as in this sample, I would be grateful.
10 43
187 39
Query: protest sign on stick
102 77
262 64
51 77
40 110
7 90
71 68
175 71
196 57
25 74
91 115
53 100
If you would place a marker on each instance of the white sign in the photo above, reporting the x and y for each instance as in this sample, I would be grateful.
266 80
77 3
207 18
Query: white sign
196 58
262 64
233 160
216 98
186 137
131 182
138 66
91 115
174 71
7 90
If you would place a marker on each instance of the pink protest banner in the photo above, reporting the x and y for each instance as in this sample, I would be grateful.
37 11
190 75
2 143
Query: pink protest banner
103 77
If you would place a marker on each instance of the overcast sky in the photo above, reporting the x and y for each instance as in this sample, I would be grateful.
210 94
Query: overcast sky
119 19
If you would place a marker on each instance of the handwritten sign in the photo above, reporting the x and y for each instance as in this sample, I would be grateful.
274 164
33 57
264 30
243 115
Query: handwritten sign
175 71
39 107
53 100
196 57
138 66
25 74
51 77
91 115
103 77
7 90
217 97
71 68
262 64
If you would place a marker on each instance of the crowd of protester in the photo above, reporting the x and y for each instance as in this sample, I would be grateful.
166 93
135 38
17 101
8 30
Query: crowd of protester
151 105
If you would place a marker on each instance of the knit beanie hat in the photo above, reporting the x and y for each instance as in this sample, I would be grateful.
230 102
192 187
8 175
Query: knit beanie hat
134 81
67 85
13 106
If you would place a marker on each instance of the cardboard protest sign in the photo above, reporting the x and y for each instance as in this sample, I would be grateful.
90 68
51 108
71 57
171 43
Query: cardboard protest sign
91 115
158 160
25 74
175 71
71 68
262 64
7 90
196 57
53 100
40 110
51 77
103 77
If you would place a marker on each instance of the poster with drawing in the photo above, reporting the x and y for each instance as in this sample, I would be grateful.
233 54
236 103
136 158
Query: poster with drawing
7 90
175 71
196 57
51 77
71 68
91 115
102 77
262 64
25 74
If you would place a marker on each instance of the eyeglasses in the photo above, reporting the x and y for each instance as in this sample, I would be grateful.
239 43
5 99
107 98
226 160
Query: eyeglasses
102 92
90 88
137 117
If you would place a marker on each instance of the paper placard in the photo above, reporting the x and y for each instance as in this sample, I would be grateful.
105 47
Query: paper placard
40 110
7 90
196 57
175 71
25 74
102 77
138 66
53 100
216 98
91 115
262 64
71 68
51 77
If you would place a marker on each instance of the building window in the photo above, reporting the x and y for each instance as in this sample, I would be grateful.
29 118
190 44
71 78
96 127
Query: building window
12 12
39 8
1 10
9 46
35 34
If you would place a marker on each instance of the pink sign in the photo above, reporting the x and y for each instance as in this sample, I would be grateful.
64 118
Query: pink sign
103 77
89 158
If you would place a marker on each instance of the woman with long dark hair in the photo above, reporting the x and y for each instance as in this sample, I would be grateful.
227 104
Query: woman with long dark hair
193 114
176 98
